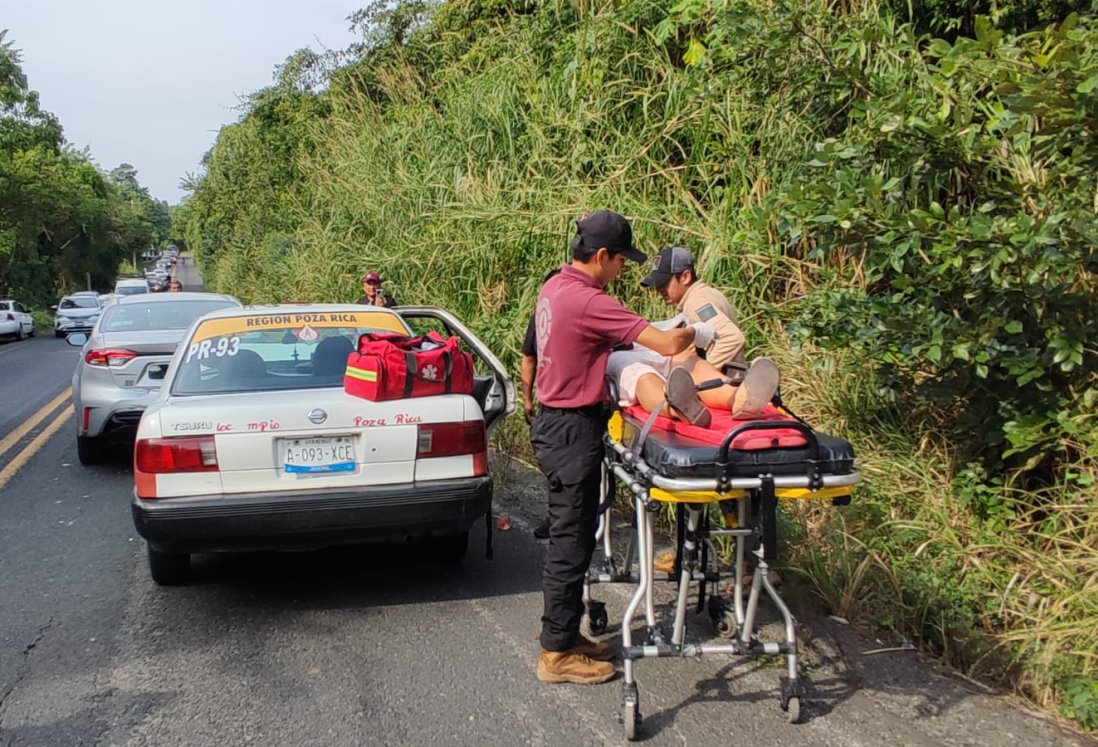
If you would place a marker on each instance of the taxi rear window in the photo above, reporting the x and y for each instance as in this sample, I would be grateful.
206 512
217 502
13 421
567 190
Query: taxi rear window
274 352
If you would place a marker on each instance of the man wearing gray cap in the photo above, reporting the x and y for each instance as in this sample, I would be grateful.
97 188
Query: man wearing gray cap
675 279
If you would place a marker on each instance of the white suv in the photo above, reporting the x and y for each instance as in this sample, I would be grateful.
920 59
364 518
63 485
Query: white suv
130 286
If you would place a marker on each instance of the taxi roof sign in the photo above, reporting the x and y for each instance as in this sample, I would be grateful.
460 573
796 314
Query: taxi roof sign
288 319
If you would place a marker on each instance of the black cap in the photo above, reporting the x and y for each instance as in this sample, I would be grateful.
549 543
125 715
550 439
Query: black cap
670 261
605 228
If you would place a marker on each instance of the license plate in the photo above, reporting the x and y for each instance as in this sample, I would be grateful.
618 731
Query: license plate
310 455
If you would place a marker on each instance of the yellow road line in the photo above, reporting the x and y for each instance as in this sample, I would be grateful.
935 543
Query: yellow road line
13 438
32 448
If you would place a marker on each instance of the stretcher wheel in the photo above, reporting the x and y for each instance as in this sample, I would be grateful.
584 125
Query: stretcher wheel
630 714
597 619
724 619
793 710
791 699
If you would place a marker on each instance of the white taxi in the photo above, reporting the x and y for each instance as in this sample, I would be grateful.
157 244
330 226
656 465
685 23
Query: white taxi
252 442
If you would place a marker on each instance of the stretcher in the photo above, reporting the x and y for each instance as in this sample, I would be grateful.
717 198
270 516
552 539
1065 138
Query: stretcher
745 467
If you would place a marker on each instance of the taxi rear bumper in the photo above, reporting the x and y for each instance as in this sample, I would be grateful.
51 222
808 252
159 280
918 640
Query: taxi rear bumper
273 521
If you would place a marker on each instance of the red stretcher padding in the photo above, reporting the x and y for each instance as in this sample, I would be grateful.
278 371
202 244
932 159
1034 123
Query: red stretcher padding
722 423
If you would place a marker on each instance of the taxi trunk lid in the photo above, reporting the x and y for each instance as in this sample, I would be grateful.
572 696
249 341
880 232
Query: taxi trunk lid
317 439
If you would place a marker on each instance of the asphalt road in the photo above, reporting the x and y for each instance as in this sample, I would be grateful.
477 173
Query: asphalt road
372 645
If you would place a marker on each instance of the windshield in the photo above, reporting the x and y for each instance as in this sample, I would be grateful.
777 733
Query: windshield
275 352
158 315
85 302
131 290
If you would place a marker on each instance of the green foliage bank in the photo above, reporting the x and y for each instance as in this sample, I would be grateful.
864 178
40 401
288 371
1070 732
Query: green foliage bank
900 199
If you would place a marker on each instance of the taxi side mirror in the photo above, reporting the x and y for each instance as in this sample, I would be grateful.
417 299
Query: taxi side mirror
77 339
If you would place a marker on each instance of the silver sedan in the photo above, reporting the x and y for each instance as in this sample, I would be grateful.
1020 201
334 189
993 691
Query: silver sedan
123 362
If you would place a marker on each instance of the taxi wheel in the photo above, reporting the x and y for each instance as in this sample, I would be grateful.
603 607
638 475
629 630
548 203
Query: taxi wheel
169 568
89 450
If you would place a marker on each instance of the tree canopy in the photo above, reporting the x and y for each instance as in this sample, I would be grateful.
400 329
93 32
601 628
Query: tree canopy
63 222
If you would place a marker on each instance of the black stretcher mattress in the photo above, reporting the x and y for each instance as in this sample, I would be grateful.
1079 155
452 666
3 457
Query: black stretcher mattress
673 455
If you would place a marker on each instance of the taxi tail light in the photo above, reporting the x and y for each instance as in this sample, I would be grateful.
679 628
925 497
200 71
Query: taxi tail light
455 439
111 357
184 454
11 317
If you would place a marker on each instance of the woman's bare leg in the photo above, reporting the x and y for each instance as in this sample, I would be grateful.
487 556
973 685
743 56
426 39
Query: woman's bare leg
650 394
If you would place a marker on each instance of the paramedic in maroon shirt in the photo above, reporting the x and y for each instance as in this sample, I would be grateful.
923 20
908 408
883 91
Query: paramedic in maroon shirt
528 372
577 324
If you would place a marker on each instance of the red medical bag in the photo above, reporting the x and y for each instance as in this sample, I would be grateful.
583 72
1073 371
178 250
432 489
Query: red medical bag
392 366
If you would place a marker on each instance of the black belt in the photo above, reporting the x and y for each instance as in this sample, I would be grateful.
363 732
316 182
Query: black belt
587 410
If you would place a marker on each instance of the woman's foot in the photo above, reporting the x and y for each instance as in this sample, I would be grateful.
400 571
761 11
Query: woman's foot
682 398
759 386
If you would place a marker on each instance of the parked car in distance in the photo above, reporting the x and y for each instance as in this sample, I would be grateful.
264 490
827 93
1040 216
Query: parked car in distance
252 443
75 313
15 321
123 362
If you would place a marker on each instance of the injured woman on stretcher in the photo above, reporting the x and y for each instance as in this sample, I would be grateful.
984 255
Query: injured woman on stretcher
670 384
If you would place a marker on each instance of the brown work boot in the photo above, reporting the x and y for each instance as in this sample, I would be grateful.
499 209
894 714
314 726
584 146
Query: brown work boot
569 666
664 562
682 398
593 649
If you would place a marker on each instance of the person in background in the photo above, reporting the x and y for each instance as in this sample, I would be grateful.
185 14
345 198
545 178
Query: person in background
175 286
529 408
577 324
372 292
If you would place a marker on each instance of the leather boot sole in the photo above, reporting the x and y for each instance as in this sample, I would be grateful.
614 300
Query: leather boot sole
682 397
759 386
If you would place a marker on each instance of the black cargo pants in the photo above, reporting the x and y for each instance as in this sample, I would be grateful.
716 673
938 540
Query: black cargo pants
568 446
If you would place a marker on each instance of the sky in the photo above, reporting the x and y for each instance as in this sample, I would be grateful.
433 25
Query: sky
149 82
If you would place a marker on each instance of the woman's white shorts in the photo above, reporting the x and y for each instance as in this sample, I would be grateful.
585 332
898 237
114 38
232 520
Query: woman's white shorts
628 366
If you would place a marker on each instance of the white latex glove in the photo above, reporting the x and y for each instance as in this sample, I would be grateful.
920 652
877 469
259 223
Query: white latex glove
703 335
